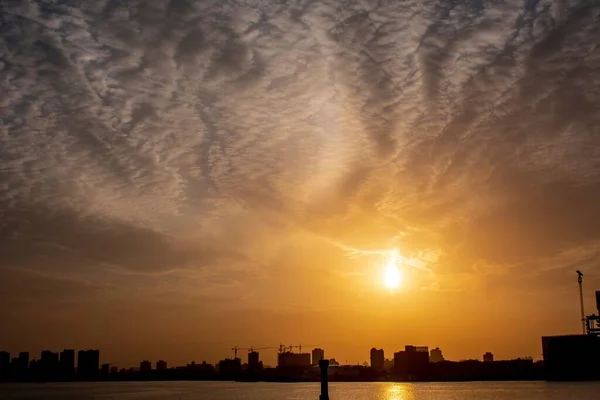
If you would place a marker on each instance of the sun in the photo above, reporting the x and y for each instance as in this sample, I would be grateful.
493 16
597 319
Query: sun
392 276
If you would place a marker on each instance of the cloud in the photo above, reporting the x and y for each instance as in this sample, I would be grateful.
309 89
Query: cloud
42 289
58 241
200 138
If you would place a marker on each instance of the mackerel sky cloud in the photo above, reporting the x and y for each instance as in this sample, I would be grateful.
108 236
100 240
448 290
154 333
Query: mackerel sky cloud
211 158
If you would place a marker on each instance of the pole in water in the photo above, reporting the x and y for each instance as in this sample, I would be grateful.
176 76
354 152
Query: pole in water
323 365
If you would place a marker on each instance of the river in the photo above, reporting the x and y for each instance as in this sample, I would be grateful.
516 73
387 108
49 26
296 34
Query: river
302 391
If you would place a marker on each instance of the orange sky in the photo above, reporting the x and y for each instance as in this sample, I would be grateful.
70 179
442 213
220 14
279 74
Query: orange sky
177 178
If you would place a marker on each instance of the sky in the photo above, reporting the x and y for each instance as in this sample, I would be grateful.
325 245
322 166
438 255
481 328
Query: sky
181 177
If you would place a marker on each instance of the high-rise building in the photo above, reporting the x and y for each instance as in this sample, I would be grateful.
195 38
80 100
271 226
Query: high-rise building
105 371
413 361
436 355
145 366
35 371
488 357
23 360
253 359
377 359
317 354
19 366
49 366
4 365
161 365
88 364
67 363
49 356
202 370
230 368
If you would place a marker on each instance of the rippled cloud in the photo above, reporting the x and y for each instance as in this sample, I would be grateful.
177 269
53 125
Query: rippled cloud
207 138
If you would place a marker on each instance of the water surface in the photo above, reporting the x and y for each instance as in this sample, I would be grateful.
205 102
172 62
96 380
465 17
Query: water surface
303 391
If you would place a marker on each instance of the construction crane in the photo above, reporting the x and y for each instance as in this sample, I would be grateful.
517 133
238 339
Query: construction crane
284 349
580 281
281 348
299 347
251 349
235 350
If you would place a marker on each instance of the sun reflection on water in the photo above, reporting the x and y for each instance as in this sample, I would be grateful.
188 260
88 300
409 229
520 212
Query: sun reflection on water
398 391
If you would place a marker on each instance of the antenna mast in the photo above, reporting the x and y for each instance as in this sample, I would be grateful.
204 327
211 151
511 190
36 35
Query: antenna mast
580 281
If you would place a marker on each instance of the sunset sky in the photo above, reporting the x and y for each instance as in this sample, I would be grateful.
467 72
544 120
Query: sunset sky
180 177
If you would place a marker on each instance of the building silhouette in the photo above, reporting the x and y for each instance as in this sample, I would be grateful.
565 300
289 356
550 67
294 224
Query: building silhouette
4 366
105 371
288 359
230 368
48 367
254 360
254 369
435 355
13 369
145 366
377 359
161 365
488 357
67 363
571 357
34 372
19 367
411 363
574 357
88 364
198 371
317 354
24 359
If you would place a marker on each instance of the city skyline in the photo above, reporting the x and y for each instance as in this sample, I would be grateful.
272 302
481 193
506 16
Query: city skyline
180 177
243 354
412 363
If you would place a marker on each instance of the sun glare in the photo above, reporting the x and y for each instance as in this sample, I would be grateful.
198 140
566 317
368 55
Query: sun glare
392 277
